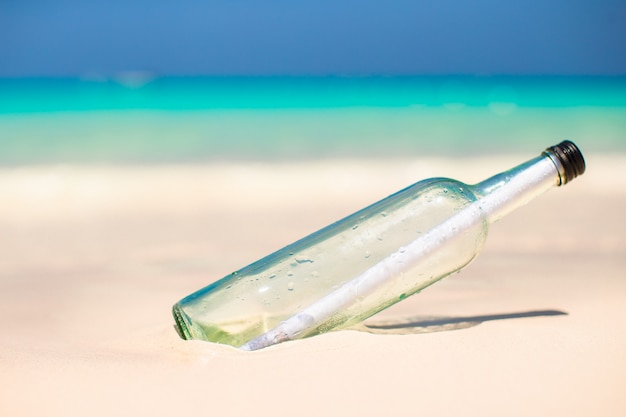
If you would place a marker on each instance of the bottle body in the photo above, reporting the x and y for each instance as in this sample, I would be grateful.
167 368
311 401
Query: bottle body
366 262
257 298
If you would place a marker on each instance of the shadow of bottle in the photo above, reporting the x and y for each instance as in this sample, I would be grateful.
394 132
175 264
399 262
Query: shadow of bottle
424 324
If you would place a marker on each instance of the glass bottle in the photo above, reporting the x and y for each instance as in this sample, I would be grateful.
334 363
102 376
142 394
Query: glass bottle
364 263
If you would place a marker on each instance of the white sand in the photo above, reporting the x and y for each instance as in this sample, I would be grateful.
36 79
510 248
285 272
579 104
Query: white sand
94 257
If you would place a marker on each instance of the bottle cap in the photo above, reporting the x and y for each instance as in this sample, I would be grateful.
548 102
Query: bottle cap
568 160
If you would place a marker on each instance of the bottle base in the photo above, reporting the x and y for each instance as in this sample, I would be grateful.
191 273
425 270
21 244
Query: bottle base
181 324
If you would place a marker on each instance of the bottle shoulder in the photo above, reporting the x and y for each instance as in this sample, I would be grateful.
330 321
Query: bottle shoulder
442 186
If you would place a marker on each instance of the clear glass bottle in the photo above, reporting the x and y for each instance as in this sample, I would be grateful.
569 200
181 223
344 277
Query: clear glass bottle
364 263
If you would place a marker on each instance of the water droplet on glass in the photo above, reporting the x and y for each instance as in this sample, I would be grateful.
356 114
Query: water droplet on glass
303 259
290 286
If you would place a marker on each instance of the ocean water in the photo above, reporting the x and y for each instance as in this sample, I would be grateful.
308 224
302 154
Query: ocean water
136 118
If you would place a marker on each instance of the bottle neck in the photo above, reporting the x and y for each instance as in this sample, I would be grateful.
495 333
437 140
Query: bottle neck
509 190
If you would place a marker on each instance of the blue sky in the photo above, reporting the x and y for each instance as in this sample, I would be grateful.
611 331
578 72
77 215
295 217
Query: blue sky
278 37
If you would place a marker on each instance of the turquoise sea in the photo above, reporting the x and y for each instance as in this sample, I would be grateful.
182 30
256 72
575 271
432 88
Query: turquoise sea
137 118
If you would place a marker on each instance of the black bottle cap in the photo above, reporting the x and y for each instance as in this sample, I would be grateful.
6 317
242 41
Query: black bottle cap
569 160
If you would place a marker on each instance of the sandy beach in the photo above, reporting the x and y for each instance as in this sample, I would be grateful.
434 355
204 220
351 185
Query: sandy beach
93 257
